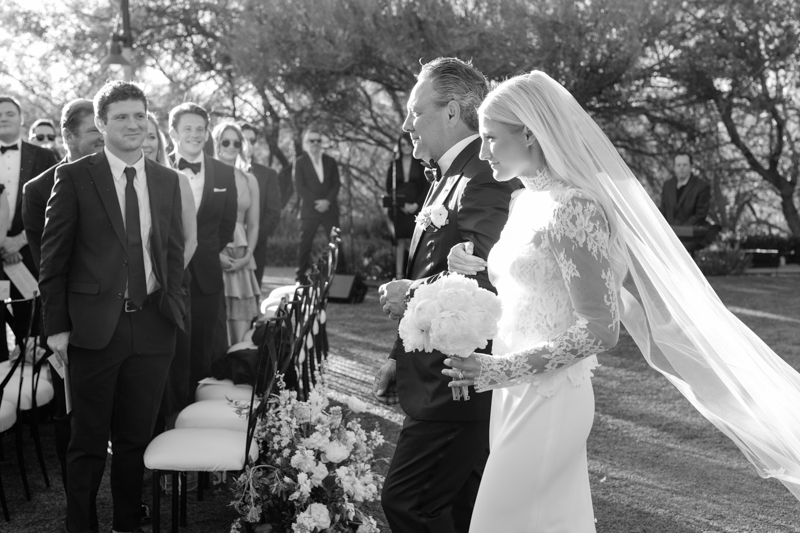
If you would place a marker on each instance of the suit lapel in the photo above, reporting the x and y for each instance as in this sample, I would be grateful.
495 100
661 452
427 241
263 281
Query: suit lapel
104 182
156 196
208 186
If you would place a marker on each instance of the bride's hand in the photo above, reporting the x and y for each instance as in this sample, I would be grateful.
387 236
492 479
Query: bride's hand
464 370
461 261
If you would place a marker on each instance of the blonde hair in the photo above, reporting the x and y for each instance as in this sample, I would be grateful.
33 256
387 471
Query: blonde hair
216 135
161 153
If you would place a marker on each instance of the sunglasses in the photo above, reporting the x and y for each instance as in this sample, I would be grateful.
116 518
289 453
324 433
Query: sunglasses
41 136
226 143
315 141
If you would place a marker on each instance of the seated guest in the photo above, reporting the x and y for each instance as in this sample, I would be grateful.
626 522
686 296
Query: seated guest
270 205
81 138
214 190
686 199
241 287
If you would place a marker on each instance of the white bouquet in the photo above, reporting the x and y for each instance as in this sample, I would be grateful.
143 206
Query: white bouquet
452 315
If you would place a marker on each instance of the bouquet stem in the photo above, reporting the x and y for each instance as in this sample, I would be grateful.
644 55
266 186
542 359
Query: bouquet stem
459 393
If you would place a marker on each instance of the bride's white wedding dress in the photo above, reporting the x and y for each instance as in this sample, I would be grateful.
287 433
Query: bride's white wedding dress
552 273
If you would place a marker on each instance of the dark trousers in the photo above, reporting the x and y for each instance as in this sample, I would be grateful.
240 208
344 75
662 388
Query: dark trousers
176 390
204 317
260 257
115 390
309 229
434 477
61 424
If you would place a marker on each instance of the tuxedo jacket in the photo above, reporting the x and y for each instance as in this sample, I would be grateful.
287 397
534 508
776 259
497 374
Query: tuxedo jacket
216 219
691 209
83 273
269 193
477 211
309 187
34 160
35 195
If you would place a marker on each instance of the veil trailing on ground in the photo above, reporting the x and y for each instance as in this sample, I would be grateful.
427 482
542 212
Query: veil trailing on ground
679 323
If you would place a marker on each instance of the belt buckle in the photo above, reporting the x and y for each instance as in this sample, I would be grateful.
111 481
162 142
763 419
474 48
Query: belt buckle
130 308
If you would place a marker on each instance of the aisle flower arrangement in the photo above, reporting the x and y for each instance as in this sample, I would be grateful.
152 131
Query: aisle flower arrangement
314 469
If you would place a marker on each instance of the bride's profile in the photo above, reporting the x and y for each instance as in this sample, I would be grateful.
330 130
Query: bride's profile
581 227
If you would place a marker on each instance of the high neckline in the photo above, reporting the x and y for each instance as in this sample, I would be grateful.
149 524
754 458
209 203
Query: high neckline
542 179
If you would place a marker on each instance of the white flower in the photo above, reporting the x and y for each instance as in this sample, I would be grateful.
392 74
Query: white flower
336 452
451 333
319 513
412 336
439 216
303 487
302 412
424 313
356 405
369 526
303 460
318 473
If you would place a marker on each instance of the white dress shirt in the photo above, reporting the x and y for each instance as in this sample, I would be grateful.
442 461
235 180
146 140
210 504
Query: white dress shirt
318 168
10 163
118 167
196 181
449 156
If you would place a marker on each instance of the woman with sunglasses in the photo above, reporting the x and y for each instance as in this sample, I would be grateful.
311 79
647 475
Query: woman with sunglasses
238 266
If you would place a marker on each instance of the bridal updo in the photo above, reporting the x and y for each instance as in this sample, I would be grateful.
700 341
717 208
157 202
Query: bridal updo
541 104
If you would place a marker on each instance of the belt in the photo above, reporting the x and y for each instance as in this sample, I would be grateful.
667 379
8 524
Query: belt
152 298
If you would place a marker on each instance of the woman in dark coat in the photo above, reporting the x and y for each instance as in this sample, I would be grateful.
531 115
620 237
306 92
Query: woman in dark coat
409 176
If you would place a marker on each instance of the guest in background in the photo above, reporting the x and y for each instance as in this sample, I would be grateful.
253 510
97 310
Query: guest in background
270 194
81 138
685 200
214 190
316 179
238 266
20 161
176 390
43 133
407 188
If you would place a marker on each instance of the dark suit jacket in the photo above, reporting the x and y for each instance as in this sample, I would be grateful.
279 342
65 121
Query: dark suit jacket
270 194
477 208
216 219
691 209
34 160
84 250
34 202
309 187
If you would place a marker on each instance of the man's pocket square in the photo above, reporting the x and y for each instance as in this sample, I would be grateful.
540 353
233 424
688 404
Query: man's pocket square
220 190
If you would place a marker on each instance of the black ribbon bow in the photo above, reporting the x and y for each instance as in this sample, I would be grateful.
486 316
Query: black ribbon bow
432 171
4 149
194 167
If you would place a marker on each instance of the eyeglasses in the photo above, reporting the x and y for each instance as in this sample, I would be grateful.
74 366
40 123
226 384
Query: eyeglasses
315 141
41 136
226 143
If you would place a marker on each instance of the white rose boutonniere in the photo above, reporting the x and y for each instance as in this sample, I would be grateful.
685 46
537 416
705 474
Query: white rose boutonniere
435 216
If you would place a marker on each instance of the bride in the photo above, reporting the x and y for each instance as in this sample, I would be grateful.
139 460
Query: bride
581 226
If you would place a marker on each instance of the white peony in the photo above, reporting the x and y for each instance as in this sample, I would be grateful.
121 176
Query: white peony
336 452
424 313
439 216
320 515
451 333
412 336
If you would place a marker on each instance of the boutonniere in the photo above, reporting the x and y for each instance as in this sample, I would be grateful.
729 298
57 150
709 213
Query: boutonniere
435 216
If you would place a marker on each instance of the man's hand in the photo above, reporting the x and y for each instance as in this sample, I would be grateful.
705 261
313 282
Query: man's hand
384 388
10 258
393 297
12 245
226 261
58 343
322 205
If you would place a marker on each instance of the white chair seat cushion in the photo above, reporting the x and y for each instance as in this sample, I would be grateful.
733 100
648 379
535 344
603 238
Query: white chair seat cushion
198 450
222 389
44 392
8 415
270 304
5 367
211 414
286 290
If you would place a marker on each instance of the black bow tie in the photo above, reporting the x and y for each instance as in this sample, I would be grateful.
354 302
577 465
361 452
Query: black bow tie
432 171
4 149
194 167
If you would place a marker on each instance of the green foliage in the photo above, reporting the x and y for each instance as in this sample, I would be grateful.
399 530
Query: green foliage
723 258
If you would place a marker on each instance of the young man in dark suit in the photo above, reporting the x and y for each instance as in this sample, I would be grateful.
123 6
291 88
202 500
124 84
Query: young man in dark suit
81 138
270 194
214 188
441 452
111 273
20 161
316 179
686 199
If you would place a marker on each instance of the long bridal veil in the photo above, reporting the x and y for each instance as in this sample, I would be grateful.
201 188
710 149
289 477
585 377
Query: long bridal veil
682 328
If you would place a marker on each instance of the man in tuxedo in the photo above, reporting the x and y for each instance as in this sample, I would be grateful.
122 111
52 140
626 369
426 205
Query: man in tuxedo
214 187
270 196
316 179
111 273
442 450
43 133
82 138
19 162
686 199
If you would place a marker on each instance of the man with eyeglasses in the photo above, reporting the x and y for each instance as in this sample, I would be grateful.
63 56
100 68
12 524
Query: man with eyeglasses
20 161
43 133
270 199
316 179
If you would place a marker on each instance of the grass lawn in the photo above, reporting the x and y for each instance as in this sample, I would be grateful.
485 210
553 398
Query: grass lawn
656 465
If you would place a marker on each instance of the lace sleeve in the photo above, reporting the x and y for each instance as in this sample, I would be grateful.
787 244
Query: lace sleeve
578 237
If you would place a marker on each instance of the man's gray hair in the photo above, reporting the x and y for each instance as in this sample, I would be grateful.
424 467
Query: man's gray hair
454 79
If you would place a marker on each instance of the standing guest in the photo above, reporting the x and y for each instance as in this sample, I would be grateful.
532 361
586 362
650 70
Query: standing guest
686 199
270 204
112 265
176 390
438 462
407 187
238 266
316 179
19 162
81 138
214 190
43 133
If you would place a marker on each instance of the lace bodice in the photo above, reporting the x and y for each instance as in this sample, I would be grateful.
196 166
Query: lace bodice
552 272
